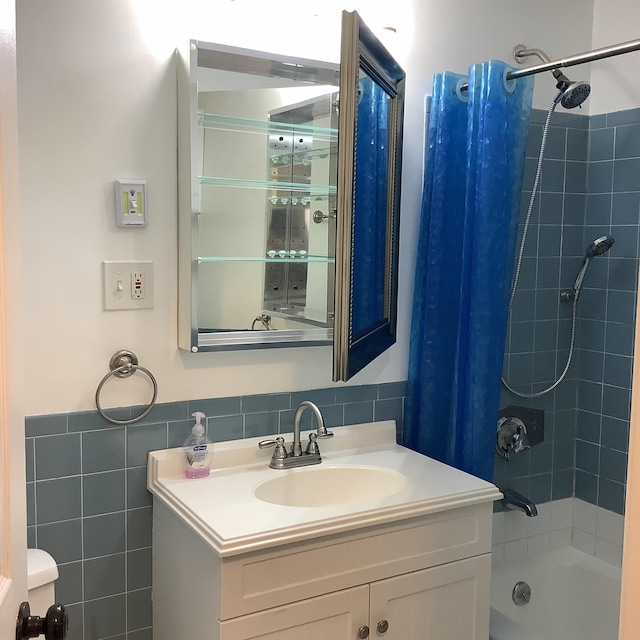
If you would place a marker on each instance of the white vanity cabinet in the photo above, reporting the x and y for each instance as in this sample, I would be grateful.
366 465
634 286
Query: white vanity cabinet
410 565
442 602
427 577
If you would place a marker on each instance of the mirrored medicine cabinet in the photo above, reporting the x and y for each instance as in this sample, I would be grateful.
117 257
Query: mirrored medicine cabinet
289 190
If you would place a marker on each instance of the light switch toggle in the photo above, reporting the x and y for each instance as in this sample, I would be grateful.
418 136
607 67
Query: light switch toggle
131 203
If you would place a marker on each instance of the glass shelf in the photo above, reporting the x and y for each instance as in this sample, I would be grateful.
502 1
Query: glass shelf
247 125
290 259
299 157
312 190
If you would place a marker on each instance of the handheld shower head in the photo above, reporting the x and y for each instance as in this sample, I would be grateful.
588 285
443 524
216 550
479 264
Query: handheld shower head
572 94
598 247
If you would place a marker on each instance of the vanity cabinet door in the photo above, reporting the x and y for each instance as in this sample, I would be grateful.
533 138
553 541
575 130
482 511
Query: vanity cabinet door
448 602
335 616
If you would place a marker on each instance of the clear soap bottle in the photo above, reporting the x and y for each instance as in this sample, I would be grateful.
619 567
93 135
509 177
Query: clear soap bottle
197 451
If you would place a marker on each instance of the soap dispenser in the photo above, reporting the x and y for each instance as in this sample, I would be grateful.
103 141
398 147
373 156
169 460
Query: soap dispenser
197 451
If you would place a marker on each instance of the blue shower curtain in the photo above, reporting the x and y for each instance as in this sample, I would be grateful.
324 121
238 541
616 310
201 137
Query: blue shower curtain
466 246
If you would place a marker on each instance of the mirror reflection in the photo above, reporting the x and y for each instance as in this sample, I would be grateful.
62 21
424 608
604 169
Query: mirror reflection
266 185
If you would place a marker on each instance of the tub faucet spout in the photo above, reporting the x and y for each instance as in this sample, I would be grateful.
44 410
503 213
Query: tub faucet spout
514 500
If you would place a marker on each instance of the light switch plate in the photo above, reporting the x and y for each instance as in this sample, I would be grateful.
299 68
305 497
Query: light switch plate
127 285
131 203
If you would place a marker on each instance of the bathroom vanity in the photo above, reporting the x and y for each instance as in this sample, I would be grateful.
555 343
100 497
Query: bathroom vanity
377 541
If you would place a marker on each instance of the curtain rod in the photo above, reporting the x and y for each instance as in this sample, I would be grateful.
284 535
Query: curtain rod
579 58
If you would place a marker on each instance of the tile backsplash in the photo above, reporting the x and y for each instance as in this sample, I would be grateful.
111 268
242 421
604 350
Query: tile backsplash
88 505
560 523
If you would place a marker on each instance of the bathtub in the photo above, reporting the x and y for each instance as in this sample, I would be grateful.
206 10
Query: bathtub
574 596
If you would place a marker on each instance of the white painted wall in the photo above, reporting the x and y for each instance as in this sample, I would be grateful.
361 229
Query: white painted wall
615 80
97 102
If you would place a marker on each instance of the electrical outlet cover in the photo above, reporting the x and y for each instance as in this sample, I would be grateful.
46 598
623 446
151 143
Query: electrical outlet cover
118 285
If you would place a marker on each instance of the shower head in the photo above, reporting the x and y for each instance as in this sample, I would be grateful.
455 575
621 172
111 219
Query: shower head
572 94
599 246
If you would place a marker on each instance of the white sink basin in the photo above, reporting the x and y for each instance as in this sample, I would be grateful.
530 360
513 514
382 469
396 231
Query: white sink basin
324 486
365 479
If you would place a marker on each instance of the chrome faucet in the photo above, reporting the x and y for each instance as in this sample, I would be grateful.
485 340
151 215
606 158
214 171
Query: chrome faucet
296 457
514 500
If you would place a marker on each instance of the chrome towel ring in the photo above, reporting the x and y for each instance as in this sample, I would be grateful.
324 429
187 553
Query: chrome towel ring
123 364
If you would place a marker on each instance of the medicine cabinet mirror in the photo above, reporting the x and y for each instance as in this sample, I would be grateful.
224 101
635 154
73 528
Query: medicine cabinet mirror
289 187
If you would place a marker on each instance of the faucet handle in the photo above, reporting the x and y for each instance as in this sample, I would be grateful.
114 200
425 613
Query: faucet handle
312 446
280 452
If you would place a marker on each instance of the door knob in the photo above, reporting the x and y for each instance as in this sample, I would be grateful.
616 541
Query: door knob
382 627
363 632
53 626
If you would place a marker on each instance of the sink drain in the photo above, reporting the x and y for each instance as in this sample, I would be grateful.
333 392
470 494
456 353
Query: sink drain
521 593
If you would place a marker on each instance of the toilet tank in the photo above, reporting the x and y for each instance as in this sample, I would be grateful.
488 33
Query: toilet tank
42 572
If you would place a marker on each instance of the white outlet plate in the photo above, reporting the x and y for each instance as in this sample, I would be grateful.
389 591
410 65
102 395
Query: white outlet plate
118 285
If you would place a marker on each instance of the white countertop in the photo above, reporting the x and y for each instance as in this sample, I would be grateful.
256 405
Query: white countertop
223 510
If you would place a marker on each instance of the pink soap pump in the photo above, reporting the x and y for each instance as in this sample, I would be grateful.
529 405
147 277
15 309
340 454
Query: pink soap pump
197 451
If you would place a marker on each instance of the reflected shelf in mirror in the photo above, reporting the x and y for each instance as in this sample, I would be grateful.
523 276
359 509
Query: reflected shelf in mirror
313 190
295 257
248 125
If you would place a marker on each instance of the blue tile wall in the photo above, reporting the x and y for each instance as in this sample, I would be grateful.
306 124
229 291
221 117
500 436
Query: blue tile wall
595 190
539 332
88 504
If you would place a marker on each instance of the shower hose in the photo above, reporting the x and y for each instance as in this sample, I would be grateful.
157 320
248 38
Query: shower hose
516 275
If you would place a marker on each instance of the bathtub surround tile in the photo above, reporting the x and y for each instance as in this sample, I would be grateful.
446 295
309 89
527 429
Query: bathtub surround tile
585 516
584 541
538 544
516 525
615 433
560 538
610 553
540 524
561 514
515 550
586 486
609 526
611 495
497 553
497 532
